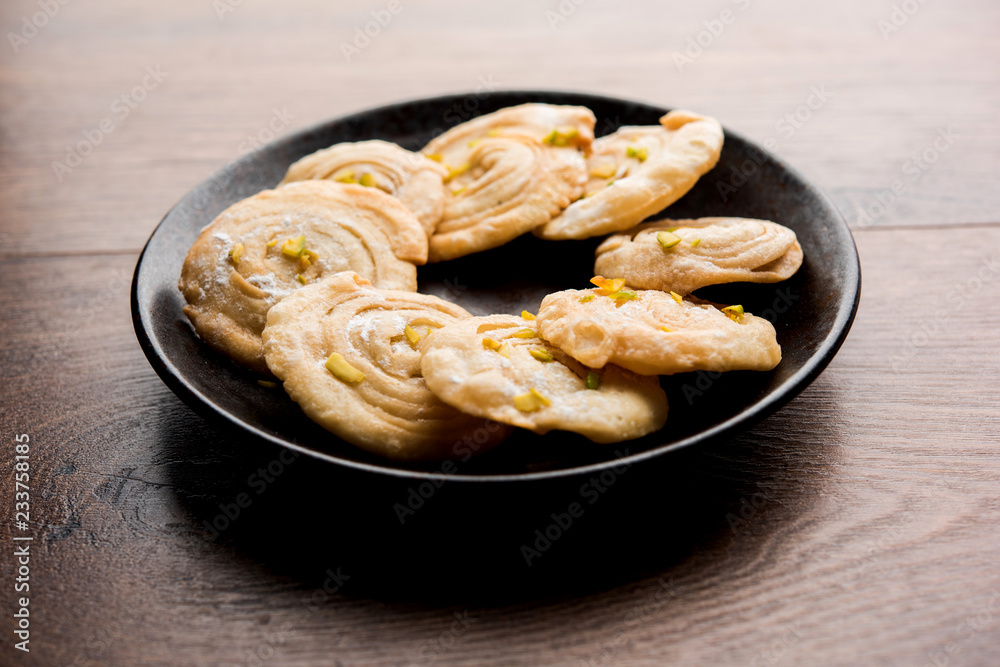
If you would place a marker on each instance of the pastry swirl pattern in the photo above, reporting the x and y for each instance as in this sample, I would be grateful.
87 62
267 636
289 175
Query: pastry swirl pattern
373 394
265 247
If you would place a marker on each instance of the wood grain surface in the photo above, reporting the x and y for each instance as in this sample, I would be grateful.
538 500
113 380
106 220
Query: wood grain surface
859 525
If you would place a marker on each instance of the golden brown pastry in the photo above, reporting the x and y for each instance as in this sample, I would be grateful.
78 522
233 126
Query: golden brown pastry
512 184
347 355
497 367
508 172
684 255
552 124
263 248
639 171
412 178
655 333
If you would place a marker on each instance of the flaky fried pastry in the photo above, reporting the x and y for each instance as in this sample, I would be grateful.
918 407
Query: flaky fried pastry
685 255
510 186
656 333
638 171
497 367
552 124
262 248
347 355
508 172
412 178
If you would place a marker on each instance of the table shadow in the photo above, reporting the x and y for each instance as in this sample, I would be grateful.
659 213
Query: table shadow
393 540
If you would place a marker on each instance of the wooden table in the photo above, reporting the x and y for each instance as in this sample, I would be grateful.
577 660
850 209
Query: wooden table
858 525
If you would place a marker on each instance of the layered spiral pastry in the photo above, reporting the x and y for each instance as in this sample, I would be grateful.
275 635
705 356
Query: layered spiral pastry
507 173
685 255
556 125
655 333
412 178
498 367
265 247
347 354
638 171
509 185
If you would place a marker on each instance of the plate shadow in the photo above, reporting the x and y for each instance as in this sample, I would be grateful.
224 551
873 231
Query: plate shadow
407 541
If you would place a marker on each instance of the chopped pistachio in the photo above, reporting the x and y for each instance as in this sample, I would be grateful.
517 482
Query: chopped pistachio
526 315
367 180
603 171
694 244
345 176
342 370
267 384
526 403
677 297
538 395
638 153
541 355
490 344
735 313
504 351
294 247
586 298
437 157
524 333
561 136
301 278
456 171
623 295
593 380
667 240
411 335
236 253
532 401
306 260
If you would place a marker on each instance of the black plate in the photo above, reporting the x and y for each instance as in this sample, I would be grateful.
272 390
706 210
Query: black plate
812 312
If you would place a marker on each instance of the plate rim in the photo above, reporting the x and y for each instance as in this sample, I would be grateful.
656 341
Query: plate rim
817 362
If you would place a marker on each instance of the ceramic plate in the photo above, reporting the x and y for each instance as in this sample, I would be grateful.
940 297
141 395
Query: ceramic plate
812 312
